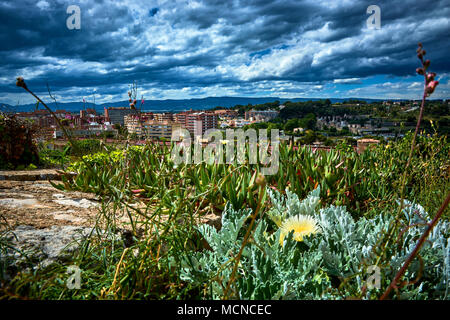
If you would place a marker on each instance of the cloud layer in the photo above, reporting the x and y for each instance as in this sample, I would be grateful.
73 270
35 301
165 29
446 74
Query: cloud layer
185 49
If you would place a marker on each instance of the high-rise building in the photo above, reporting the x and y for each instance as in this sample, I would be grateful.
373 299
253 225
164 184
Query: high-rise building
134 122
160 129
116 115
197 122
164 116
150 128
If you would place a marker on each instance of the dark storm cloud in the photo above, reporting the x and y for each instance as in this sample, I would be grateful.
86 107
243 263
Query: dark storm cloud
174 45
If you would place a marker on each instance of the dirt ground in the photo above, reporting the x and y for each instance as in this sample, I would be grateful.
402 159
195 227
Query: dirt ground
39 204
28 199
45 221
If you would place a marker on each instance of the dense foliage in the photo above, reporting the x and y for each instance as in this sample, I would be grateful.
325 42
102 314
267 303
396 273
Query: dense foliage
17 148
85 146
299 114
169 242
346 177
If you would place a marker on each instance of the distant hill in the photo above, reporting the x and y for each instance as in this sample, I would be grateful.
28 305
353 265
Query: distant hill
170 104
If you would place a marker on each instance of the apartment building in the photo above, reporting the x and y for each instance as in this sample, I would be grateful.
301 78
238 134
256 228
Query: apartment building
134 124
160 129
164 116
197 122
149 127
116 115
225 114
91 130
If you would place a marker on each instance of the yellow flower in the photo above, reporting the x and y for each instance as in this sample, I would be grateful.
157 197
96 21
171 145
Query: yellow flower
301 225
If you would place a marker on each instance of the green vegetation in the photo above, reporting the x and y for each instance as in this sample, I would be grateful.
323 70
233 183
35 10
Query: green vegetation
304 114
51 158
264 106
86 146
17 149
170 244
277 267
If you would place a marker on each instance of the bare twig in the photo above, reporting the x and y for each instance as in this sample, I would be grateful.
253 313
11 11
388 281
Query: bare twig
429 86
21 83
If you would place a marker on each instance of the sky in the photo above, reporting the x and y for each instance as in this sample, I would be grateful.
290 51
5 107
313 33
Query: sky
196 49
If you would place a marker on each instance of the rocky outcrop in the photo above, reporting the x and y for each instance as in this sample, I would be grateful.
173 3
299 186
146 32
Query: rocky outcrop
45 245
30 175
40 205
39 224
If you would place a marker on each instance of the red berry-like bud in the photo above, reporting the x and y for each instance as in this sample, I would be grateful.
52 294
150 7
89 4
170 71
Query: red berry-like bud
420 71
430 76
426 64
431 86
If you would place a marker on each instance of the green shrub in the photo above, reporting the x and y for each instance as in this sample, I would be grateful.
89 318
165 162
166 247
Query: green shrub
53 157
17 147
84 147
347 178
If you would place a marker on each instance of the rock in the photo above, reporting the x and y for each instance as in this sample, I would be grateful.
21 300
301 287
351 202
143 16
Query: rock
65 215
81 203
15 194
46 246
17 203
30 175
